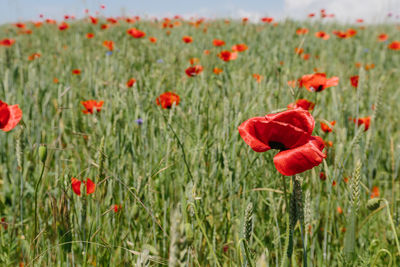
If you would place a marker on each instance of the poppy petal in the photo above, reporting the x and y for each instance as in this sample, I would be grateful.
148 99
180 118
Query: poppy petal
76 186
14 119
90 186
300 159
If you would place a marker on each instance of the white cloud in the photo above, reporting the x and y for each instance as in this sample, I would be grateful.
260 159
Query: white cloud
344 10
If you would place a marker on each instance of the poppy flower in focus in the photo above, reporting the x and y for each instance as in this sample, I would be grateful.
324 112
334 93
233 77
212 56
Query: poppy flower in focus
90 105
7 42
239 48
317 82
227 55
153 40
217 42
76 186
187 39
326 128
89 35
194 70
34 56
167 99
302 103
63 26
382 37
290 132
217 70
131 82
10 116
135 33
301 31
366 121
76 71
395 45
354 81
322 35
257 77
375 192
109 45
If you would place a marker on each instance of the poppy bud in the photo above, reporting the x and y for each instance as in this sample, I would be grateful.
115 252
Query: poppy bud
42 153
373 203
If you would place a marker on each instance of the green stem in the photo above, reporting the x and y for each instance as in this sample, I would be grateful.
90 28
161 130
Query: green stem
392 225
36 213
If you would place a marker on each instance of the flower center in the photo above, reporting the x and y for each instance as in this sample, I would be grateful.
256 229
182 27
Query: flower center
277 145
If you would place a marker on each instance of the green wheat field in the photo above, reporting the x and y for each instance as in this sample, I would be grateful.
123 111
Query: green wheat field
178 186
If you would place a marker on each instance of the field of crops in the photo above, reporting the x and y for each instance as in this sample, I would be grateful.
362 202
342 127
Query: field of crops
124 149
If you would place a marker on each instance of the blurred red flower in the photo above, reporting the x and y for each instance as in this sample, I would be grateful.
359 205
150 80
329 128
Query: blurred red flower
131 82
194 70
135 33
302 103
7 42
326 128
90 105
109 45
217 42
354 81
239 48
317 82
395 45
10 116
187 39
167 99
227 55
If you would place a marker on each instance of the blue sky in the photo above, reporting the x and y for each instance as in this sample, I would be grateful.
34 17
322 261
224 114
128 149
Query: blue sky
349 10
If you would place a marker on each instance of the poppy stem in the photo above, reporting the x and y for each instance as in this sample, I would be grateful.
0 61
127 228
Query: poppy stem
36 213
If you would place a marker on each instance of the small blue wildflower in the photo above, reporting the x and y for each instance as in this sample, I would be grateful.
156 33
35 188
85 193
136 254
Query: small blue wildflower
160 60
139 121
109 53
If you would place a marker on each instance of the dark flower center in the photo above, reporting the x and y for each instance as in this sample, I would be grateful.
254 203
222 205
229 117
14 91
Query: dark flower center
320 88
277 145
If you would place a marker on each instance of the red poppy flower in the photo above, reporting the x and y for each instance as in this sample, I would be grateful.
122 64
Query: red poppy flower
339 210
89 35
131 82
326 128
227 55
194 60
194 70
290 132
382 37
395 45
317 82
63 26
267 19
55 80
239 48
354 81
257 77
302 103
375 192
187 39
7 42
20 25
135 33
34 56
109 45
90 105
301 31
311 15
167 99
306 56
9 116
76 71
112 20
322 35
322 176
104 26
217 70
116 208
298 51
369 66
94 20
217 42
366 121
76 186
153 40
351 32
